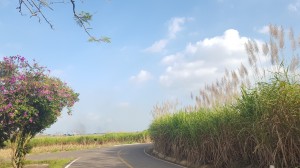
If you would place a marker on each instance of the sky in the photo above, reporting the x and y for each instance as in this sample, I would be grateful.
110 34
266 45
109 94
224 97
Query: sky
159 51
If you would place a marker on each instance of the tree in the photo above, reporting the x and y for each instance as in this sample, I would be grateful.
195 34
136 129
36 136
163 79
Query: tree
35 9
30 101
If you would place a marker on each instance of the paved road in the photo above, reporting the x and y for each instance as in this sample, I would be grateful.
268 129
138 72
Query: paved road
126 156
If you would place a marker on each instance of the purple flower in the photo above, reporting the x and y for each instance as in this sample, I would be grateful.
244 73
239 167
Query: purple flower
22 59
12 80
21 77
9 105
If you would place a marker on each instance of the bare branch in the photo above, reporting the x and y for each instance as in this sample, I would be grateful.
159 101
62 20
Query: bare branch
39 10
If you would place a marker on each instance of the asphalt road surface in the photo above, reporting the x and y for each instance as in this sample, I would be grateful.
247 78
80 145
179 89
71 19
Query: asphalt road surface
125 156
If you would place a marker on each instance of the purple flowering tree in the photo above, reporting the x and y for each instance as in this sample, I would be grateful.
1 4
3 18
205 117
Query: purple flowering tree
30 101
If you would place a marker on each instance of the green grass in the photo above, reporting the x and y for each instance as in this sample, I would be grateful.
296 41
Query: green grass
261 129
59 163
130 137
195 136
4 164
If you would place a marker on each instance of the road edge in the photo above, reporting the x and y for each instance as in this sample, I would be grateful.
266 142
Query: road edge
153 153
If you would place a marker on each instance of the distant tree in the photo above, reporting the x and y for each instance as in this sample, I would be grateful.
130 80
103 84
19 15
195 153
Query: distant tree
36 7
30 101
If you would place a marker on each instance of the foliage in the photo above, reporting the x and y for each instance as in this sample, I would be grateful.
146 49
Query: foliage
197 137
261 129
270 118
30 101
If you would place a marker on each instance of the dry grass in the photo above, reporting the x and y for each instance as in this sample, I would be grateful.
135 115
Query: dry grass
59 148
5 154
68 147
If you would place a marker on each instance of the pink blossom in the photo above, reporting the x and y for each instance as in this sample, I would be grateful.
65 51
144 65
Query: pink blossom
45 92
9 105
49 98
13 80
21 77
22 59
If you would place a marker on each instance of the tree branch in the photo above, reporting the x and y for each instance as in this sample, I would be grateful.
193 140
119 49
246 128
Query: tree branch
39 10
82 19
35 9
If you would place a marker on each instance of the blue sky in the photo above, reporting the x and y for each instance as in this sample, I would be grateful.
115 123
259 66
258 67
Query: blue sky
160 50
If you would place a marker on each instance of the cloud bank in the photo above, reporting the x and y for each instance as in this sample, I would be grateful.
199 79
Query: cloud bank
203 61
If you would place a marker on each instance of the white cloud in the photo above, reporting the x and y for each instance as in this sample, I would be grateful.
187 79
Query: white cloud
175 25
141 77
264 30
185 73
170 59
204 61
294 7
157 46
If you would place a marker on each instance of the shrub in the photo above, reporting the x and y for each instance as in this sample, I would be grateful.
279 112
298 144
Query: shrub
30 101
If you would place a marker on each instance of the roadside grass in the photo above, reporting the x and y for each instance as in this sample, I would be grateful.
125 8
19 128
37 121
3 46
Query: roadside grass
58 163
72 147
261 129
256 126
5 154
5 164
82 140
59 148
